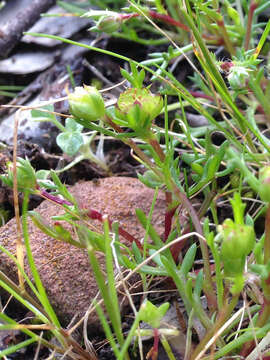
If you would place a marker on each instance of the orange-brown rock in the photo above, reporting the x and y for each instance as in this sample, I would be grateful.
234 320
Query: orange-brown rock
65 269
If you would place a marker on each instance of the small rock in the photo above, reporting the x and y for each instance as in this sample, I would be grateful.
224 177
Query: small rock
64 269
62 25
27 62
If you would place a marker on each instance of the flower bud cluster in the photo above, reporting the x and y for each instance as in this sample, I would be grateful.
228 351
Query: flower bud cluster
138 108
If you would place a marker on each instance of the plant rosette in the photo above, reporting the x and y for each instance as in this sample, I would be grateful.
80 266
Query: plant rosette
138 108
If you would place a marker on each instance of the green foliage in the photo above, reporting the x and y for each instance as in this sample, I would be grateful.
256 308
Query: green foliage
70 140
152 314
25 175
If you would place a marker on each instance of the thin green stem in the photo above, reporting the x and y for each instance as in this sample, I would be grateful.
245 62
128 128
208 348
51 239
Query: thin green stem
111 281
45 302
210 293
267 237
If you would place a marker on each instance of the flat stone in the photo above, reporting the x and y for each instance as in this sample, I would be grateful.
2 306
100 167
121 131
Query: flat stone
27 62
63 26
65 269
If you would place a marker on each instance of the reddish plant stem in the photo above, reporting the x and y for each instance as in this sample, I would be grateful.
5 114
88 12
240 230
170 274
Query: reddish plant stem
226 37
54 198
128 16
168 215
92 214
168 20
169 211
168 222
155 145
198 94
95 215
178 247
154 15
156 342
153 353
253 6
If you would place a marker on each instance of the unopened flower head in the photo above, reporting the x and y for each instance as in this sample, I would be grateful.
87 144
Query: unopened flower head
139 107
238 77
109 24
86 103
237 242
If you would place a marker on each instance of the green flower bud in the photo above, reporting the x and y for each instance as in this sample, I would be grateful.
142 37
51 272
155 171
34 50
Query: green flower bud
109 24
237 242
139 107
238 77
86 104
264 180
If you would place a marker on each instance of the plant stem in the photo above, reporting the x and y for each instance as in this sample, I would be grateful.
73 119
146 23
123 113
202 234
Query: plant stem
95 215
252 8
221 319
267 236
156 146
226 37
240 164
168 224
210 293
56 199
19 240
168 20
209 288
